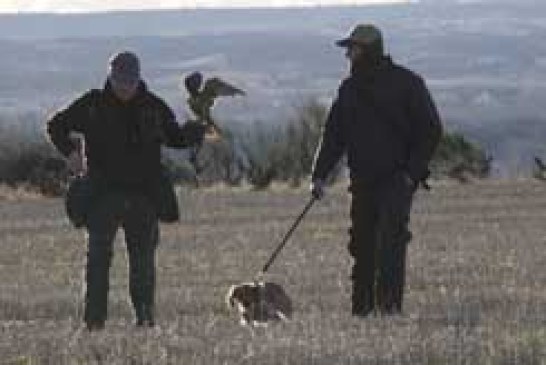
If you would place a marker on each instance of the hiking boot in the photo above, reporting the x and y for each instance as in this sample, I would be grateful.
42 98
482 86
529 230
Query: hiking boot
361 314
391 309
145 322
145 317
361 311
93 326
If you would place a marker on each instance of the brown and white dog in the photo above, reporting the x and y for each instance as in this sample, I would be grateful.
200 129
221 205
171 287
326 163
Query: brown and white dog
259 303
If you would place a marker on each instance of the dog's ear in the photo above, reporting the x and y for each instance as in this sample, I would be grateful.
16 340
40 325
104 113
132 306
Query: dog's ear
245 295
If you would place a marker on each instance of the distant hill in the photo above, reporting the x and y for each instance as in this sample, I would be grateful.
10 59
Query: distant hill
486 64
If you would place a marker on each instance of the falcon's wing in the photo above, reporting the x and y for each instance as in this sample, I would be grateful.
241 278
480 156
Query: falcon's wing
215 87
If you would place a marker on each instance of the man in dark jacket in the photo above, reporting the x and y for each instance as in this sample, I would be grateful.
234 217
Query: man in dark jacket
385 121
123 127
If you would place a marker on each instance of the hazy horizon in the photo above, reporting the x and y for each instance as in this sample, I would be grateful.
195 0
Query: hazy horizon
92 6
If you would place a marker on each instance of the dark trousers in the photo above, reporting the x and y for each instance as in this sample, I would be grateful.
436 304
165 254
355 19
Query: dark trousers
378 243
136 214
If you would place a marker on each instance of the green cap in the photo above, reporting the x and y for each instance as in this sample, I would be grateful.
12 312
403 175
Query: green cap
362 34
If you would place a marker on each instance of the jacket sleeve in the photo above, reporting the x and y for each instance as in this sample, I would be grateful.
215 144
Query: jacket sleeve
332 144
177 136
425 130
70 119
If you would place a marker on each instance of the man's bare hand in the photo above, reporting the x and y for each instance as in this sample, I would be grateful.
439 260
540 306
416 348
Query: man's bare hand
76 163
318 188
212 134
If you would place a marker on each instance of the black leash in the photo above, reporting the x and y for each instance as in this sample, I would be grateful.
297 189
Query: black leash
287 236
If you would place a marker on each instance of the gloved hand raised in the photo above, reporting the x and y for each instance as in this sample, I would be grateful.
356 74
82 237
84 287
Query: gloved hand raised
318 188
194 132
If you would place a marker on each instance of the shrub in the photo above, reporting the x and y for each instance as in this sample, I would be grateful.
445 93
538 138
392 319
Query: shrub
260 155
32 162
539 169
285 153
178 167
259 149
221 160
302 138
459 158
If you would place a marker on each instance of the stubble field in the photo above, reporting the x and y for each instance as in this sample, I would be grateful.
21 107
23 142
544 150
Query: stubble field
476 283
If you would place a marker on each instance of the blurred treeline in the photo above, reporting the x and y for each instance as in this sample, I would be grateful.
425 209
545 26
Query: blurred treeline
257 155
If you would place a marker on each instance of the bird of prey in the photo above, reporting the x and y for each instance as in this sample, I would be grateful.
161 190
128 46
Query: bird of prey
201 100
202 97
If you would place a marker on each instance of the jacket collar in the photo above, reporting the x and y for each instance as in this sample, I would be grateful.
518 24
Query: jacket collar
141 92
367 70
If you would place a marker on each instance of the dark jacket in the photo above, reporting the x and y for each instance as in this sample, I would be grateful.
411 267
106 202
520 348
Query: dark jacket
122 140
384 119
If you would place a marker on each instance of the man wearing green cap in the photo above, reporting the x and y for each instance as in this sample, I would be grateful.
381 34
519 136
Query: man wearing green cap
384 119
123 126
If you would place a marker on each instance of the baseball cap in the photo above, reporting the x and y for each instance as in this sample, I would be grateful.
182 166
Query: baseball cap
362 34
124 67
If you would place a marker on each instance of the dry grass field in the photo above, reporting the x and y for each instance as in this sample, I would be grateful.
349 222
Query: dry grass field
476 283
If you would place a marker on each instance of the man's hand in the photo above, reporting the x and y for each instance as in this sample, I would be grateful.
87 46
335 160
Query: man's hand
212 134
318 188
410 183
194 132
76 163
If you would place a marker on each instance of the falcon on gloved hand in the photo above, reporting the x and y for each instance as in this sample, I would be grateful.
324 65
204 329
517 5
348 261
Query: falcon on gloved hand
201 100
201 97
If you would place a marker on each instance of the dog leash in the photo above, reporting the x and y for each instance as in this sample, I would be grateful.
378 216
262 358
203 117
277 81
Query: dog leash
285 239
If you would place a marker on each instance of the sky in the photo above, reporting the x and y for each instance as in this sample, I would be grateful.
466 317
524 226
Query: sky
16 6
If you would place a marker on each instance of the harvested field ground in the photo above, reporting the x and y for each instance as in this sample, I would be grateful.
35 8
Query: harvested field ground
476 283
